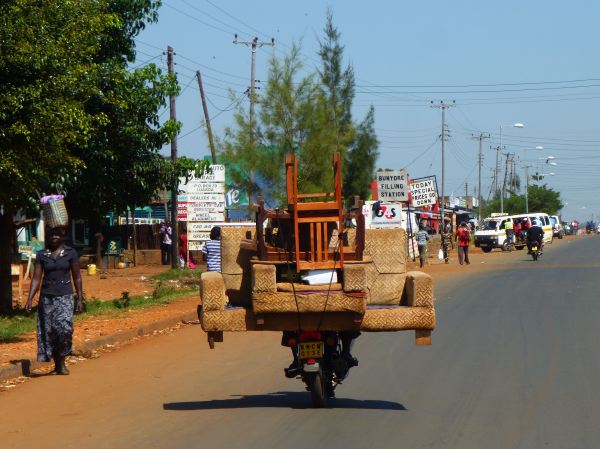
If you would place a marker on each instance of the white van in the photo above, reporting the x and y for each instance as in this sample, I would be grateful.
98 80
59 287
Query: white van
493 235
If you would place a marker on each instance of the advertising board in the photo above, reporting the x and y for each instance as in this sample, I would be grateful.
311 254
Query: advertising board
392 185
423 192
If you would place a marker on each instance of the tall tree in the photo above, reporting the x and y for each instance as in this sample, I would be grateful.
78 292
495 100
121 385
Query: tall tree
358 145
47 73
361 159
73 117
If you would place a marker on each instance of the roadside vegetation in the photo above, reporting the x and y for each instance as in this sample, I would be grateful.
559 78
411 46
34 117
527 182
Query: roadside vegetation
167 289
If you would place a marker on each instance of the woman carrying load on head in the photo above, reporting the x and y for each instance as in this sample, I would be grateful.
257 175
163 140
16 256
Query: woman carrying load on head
57 263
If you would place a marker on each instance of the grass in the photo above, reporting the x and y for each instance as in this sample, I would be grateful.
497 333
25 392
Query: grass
175 274
11 328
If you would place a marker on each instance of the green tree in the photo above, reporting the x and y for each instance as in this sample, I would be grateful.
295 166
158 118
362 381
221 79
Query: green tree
357 144
74 117
360 163
540 198
47 73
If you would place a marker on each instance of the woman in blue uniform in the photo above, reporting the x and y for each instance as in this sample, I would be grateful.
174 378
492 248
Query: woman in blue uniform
58 263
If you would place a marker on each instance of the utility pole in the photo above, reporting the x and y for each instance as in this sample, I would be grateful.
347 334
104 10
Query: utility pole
480 137
527 189
253 44
175 184
443 136
466 189
504 183
213 152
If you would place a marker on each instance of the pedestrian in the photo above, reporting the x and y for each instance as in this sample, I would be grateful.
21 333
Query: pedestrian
166 233
508 228
422 238
517 230
57 263
464 237
446 241
212 250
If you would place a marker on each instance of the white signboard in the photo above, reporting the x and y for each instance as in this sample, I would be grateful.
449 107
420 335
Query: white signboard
392 185
201 231
195 245
423 193
205 207
201 187
387 216
217 175
205 216
200 198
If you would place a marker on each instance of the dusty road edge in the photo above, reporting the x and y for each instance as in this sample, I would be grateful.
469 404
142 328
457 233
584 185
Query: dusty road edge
24 367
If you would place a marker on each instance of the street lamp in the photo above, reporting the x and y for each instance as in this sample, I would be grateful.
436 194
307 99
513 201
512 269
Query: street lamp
514 125
537 148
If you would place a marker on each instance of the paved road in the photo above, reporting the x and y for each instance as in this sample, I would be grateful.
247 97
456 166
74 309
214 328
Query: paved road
514 364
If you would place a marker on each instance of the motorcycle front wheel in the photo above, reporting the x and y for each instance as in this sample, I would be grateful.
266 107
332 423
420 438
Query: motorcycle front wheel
316 385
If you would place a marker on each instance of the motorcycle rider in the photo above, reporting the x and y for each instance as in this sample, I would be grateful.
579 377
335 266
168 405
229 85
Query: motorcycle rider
535 234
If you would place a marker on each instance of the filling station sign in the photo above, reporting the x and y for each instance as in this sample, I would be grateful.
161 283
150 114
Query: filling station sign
392 185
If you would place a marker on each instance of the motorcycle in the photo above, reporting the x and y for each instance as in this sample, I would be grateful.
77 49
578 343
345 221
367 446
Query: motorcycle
536 251
319 364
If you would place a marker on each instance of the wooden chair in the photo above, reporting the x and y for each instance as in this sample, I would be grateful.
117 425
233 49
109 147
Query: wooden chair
314 217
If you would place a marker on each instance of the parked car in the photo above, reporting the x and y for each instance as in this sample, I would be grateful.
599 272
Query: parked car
557 229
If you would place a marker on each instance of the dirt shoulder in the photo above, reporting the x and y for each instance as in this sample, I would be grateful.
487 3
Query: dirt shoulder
136 281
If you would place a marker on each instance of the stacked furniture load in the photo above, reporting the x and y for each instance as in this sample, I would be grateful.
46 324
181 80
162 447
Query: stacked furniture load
260 285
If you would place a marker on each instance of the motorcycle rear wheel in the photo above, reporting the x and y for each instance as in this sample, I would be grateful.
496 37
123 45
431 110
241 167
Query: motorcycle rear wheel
534 255
316 385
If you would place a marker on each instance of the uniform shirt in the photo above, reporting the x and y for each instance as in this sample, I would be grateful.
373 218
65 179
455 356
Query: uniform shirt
57 271
422 237
212 250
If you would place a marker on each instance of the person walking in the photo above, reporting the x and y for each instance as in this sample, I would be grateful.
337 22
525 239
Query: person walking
446 241
212 250
422 238
58 264
464 237
166 241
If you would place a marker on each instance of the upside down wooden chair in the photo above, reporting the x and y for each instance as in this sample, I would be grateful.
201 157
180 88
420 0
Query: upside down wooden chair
315 216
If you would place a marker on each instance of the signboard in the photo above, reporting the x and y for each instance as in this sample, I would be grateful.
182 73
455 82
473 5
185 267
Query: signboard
392 185
205 216
200 198
200 187
387 216
423 192
217 175
195 245
193 208
201 231
236 198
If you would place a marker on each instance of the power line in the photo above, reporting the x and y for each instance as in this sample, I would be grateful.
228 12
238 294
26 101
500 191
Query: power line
427 86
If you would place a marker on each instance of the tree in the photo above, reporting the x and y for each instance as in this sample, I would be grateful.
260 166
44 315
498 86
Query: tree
73 117
360 164
541 199
47 72
357 145
309 115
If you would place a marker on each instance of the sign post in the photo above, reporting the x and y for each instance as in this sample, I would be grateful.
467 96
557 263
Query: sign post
392 185
202 205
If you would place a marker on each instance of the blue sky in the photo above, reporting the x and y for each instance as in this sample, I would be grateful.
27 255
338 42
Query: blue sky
533 62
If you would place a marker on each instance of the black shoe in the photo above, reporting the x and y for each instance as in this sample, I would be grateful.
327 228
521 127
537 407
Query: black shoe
350 360
292 370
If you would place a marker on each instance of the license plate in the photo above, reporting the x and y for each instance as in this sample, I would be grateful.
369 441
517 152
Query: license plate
534 248
311 350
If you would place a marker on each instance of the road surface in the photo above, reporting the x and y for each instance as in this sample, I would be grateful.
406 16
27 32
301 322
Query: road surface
514 364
